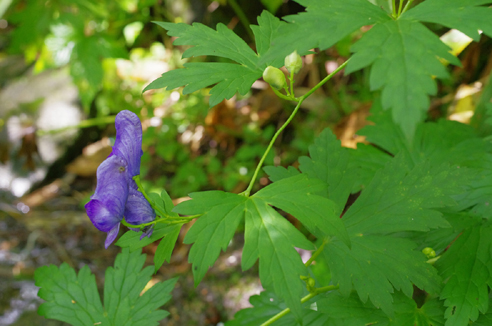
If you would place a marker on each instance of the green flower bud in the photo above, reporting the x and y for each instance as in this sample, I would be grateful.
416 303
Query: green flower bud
293 62
429 252
275 77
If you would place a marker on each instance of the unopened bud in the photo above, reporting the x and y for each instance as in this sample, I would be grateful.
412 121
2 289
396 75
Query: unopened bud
293 62
429 252
275 77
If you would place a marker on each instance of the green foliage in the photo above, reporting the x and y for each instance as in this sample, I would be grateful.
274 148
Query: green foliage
74 298
350 311
229 77
167 234
370 211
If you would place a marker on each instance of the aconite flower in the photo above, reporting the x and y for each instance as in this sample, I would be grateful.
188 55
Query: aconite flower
117 194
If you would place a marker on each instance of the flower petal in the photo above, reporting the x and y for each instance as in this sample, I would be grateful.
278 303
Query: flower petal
128 144
112 234
108 202
138 209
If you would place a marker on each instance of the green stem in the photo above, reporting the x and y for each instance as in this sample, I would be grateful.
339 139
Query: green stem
291 82
274 138
306 298
316 253
159 211
407 6
242 17
285 97
400 7
394 8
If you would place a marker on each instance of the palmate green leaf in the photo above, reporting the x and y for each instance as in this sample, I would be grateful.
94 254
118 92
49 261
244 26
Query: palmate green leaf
399 198
71 298
464 15
74 298
350 311
404 58
324 23
467 269
402 198
271 238
329 162
377 264
229 77
297 195
222 213
122 287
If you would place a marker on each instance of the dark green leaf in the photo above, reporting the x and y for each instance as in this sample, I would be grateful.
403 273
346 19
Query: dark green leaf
165 247
271 238
297 196
329 162
467 268
351 311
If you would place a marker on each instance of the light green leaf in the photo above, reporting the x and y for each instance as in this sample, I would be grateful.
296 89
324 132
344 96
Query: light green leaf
265 32
222 42
277 173
71 298
465 16
404 58
222 213
131 239
75 299
298 196
467 268
229 77
325 23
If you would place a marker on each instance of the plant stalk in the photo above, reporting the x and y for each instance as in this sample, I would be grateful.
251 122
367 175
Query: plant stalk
306 298
274 138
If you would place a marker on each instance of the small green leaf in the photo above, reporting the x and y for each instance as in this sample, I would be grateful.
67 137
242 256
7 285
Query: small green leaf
222 213
166 247
131 239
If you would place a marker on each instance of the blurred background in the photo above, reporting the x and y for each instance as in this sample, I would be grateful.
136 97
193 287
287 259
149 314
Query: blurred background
68 66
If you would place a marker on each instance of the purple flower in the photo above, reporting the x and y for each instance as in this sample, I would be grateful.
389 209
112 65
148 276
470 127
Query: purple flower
117 194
